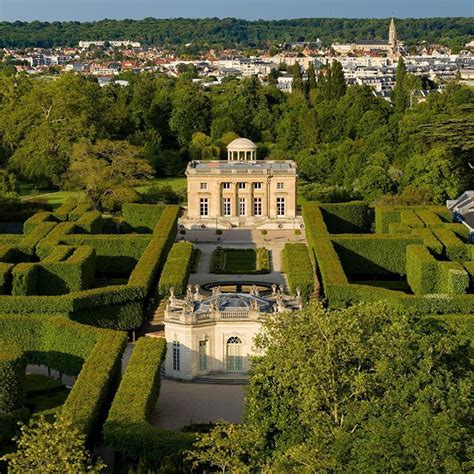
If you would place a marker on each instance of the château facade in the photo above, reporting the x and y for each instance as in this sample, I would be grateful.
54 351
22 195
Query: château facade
242 191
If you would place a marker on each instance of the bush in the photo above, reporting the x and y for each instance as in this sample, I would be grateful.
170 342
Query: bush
24 279
12 375
128 429
326 194
161 195
298 269
176 271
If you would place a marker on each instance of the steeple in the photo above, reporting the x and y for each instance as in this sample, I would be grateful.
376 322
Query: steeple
392 34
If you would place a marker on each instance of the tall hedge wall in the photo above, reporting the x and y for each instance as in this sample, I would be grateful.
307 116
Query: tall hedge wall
12 375
298 269
128 429
93 355
142 217
373 254
347 217
176 271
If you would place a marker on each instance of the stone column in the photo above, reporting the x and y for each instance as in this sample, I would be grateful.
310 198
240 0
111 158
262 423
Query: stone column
235 212
250 204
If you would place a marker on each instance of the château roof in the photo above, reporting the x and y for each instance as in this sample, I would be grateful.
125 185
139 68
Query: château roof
242 144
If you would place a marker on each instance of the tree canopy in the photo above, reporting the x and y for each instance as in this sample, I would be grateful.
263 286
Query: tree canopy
365 389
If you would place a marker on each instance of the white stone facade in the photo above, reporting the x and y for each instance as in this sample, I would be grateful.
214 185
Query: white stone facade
215 335
242 191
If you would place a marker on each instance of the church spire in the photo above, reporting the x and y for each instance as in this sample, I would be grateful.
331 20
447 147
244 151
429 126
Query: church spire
392 34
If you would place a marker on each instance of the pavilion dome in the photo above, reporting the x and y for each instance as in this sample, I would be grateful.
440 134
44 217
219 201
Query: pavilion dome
235 301
242 144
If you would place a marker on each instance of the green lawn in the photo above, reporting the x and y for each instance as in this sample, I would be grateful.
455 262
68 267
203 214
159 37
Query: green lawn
240 261
56 198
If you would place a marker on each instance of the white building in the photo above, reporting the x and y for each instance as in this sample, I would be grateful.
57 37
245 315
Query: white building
214 335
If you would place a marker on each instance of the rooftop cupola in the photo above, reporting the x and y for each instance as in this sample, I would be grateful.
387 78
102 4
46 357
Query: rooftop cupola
242 149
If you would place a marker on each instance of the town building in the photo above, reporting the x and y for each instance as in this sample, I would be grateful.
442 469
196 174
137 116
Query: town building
214 334
242 191
390 47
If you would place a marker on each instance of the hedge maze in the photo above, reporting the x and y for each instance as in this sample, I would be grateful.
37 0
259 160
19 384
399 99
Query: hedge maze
414 257
64 283
68 262
92 354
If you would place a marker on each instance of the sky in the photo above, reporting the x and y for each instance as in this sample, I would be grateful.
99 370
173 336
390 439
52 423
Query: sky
86 10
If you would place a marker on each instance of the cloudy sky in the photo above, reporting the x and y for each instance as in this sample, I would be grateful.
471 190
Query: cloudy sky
82 10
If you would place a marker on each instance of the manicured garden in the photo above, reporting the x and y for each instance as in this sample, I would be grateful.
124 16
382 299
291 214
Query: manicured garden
240 261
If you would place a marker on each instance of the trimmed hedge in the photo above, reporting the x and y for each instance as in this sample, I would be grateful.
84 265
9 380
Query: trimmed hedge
154 256
79 210
422 270
118 307
30 224
93 355
12 377
298 269
128 429
176 271
25 276
116 254
90 223
451 280
142 217
62 213
347 217
5 278
455 248
66 270
374 254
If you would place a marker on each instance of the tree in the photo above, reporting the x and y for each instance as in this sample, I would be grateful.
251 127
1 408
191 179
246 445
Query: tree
400 93
297 84
107 172
438 173
226 446
7 183
312 82
51 447
338 82
363 389
190 111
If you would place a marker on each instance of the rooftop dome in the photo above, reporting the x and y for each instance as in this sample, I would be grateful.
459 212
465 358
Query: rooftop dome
235 301
241 144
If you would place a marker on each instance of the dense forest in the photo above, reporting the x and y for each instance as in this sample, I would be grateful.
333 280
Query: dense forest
231 32
348 142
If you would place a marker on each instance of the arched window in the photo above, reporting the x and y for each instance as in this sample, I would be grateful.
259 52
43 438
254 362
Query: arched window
234 359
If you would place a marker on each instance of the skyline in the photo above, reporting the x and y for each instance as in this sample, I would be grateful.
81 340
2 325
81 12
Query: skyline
94 10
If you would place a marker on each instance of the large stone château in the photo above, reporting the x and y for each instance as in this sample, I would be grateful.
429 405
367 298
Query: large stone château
242 191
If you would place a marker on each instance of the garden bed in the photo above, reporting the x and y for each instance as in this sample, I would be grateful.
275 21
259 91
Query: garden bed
240 261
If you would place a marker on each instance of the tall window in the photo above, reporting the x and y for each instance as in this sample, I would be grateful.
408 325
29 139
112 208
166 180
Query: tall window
257 206
176 356
280 185
257 185
225 185
202 355
204 207
234 359
241 185
203 185
241 206
280 206
226 207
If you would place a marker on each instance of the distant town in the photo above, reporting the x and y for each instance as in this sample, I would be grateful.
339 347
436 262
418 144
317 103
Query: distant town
370 62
